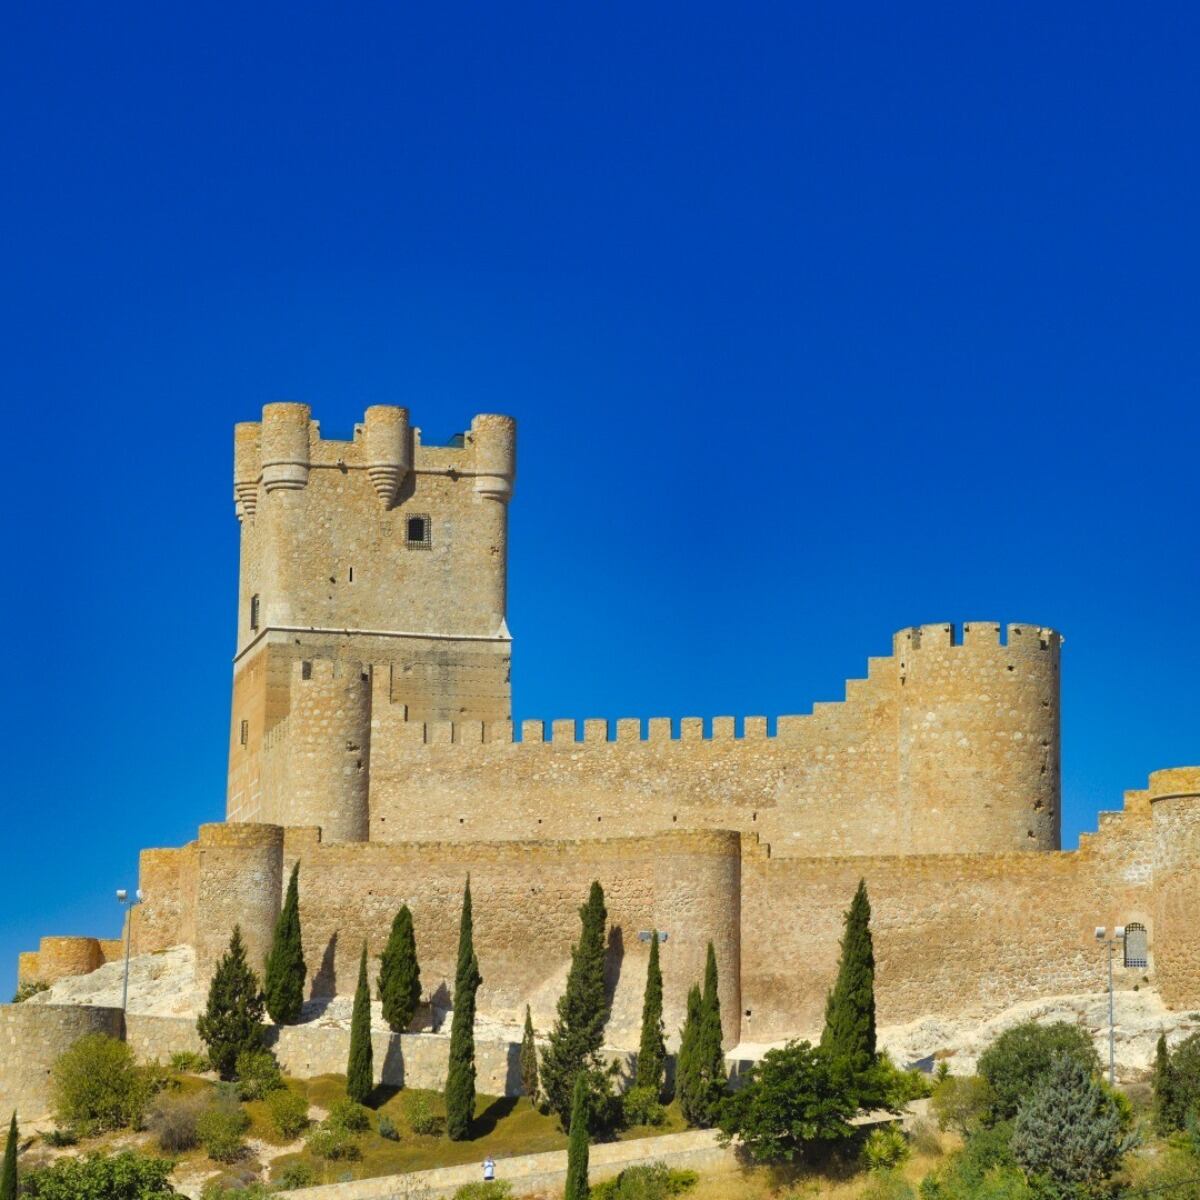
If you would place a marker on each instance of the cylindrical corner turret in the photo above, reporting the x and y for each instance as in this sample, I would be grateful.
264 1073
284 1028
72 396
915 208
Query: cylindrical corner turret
495 441
1175 819
247 466
285 446
388 445
978 753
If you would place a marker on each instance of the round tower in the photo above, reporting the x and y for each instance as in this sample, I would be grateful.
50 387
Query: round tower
494 439
388 450
247 466
285 446
978 745
328 749
1175 819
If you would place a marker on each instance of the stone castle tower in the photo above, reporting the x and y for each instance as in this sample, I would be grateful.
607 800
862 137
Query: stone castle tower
375 560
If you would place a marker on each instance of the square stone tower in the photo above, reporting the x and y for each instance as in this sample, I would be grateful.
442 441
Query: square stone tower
375 566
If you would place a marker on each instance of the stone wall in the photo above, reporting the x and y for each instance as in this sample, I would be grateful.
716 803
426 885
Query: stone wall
32 1036
61 957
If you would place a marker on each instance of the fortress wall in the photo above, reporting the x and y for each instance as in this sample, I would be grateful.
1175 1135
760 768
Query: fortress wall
166 917
526 899
954 934
1175 818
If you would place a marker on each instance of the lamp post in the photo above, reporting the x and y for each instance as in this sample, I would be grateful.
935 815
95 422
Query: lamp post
123 899
1102 937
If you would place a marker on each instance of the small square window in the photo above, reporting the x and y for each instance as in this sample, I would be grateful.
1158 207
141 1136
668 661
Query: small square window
417 532
306 670
245 732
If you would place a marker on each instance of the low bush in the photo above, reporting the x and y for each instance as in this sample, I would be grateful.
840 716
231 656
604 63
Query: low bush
125 1176
189 1062
220 1127
174 1121
333 1142
98 1085
641 1106
30 987
960 1102
488 1189
257 1074
289 1112
234 1187
295 1175
646 1181
1019 1060
350 1116
421 1117
387 1128
885 1148
60 1137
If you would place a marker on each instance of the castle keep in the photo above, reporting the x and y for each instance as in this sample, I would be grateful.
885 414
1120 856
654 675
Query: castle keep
372 741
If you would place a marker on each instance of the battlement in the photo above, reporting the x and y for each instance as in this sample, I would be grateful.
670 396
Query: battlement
948 634
279 452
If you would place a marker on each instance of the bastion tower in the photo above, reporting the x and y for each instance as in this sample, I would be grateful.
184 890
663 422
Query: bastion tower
371 569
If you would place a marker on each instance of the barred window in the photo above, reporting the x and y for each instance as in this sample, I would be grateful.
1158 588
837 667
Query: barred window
417 529
245 732
254 611
1137 951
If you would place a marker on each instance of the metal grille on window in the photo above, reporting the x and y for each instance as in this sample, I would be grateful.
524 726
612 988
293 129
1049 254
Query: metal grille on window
417 531
254 611
1137 951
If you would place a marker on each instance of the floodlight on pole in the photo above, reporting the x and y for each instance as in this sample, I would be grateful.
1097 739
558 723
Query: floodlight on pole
1102 937
123 898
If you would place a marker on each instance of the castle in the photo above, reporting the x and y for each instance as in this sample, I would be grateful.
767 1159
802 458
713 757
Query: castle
371 741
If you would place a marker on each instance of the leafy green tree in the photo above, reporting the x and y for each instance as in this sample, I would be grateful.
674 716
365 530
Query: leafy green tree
8 1173
400 974
460 1075
1167 1117
124 1176
687 1062
652 1050
577 1146
97 1085
960 1102
574 1042
702 1083
795 1096
1068 1132
360 1070
529 1060
849 1033
1017 1062
283 986
1180 1101
232 1019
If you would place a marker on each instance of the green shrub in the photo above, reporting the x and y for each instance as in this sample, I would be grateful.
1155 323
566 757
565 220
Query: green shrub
30 987
220 1127
98 1085
289 1112
885 1148
174 1121
387 1128
1019 1060
189 1062
421 1117
295 1175
257 1074
333 1142
960 1102
645 1181
125 1176
350 1116
489 1189
888 1185
641 1106
60 1137
223 1188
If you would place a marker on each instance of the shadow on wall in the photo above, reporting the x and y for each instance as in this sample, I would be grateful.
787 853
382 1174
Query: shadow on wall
614 958
324 982
391 1073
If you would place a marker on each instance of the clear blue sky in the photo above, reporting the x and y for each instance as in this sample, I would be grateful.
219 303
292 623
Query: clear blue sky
818 321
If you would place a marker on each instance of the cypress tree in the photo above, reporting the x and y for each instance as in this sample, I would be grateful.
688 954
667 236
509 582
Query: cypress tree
529 1061
283 985
232 1019
400 974
577 1146
360 1070
574 1042
849 1033
460 1075
1166 1106
687 1063
8 1174
652 1050
710 1055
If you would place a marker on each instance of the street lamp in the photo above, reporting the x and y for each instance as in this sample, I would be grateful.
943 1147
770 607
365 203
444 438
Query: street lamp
123 899
1118 935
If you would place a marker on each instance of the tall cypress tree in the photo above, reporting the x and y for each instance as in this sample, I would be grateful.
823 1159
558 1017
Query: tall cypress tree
710 1054
1166 1104
360 1070
8 1174
283 986
529 1060
652 1050
574 1042
577 1147
688 1089
400 974
232 1019
849 1033
460 1074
